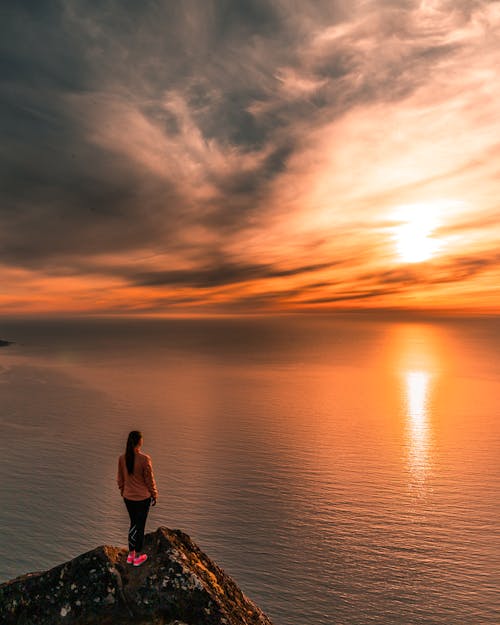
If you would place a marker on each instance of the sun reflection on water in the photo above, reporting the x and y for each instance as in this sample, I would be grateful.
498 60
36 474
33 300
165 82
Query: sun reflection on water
417 394
419 360
417 385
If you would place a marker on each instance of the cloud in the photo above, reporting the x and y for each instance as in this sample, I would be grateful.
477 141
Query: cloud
207 145
222 274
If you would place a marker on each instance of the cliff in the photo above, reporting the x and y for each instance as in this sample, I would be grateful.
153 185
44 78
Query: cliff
177 585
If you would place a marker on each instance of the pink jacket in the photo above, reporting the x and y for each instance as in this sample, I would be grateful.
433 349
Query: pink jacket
141 483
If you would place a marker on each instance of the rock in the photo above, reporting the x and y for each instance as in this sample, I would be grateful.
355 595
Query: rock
4 343
177 585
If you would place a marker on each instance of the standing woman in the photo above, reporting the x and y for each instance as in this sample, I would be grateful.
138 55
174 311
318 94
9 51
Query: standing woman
138 488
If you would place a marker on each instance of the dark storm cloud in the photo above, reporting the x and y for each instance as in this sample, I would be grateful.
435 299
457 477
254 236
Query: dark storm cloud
63 195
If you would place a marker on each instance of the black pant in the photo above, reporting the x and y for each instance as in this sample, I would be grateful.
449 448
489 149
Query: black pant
138 513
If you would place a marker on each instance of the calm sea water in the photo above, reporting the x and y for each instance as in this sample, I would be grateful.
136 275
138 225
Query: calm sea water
344 470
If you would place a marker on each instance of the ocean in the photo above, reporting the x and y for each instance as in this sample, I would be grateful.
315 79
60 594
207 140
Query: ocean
343 469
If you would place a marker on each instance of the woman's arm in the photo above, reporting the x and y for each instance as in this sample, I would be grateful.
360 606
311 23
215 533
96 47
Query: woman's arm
119 478
149 478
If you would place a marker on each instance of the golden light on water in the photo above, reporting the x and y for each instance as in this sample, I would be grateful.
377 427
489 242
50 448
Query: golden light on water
417 385
419 361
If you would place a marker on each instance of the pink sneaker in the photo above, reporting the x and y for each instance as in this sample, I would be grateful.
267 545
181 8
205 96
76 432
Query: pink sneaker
131 557
138 560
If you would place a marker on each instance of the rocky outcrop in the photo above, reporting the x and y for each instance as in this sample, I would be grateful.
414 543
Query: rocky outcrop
177 585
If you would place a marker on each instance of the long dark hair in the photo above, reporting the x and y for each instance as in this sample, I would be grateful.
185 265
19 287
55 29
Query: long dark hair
132 441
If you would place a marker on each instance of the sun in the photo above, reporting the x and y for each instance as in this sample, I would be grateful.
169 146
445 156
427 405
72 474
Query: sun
414 243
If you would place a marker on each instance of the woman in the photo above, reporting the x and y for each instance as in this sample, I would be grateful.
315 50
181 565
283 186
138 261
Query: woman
138 488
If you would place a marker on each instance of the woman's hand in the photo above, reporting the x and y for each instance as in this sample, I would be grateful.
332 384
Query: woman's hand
153 501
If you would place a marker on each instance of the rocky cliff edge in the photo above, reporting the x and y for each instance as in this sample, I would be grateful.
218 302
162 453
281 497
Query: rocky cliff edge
177 585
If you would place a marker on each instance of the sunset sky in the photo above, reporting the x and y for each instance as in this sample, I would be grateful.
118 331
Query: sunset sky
246 156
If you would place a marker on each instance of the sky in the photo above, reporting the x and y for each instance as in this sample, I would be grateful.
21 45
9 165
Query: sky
249 156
